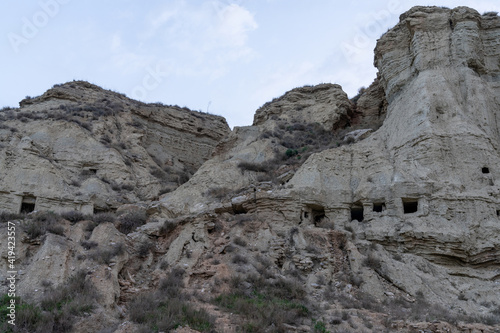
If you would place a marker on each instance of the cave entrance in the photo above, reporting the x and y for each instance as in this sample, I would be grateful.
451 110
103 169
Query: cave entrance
410 205
239 209
378 207
28 204
318 214
357 212
314 214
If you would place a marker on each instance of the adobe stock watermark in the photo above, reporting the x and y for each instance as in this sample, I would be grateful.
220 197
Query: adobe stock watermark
31 26
370 31
153 78
11 273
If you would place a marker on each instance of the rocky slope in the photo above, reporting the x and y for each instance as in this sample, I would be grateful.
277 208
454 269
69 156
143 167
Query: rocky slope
382 217
81 147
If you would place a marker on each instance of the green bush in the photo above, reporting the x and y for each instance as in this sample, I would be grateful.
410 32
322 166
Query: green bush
291 152
320 327
29 318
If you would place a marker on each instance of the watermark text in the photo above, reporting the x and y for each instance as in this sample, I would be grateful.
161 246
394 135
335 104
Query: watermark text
31 26
11 273
370 31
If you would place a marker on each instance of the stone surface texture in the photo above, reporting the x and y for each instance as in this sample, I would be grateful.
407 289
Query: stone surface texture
80 147
401 205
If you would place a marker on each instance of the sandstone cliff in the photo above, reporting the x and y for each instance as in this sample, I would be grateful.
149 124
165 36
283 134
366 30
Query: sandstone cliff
379 213
325 104
424 185
80 147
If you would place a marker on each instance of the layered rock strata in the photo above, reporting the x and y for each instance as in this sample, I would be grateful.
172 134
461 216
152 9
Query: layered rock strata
405 212
80 147
425 185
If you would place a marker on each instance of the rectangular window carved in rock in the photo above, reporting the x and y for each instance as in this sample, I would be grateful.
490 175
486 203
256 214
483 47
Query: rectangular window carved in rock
410 205
379 207
28 204
357 213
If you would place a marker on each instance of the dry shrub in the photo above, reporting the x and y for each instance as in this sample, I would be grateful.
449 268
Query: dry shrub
239 259
240 241
104 217
73 216
171 285
58 310
7 216
265 304
373 262
218 192
167 308
130 221
168 226
105 255
40 223
256 167
144 248
87 245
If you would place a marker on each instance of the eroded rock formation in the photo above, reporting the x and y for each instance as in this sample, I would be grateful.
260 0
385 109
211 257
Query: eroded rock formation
80 147
424 185
385 215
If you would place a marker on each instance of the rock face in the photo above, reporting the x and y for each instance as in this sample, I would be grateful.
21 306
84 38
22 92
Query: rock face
80 147
371 106
426 181
385 215
424 186
325 104
285 132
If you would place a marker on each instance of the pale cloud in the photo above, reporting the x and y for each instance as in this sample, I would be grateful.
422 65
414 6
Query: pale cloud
163 18
283 79
209 37
130 63
211 25
234 24
485 6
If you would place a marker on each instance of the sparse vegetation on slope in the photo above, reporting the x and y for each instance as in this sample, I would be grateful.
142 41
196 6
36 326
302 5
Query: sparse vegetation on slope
168 308
263 304
57 310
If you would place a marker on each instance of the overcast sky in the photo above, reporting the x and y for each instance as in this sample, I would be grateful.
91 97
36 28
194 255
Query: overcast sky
227 57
